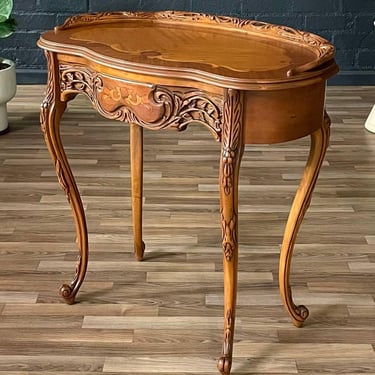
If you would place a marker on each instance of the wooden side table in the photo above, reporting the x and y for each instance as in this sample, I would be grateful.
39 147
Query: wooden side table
248 82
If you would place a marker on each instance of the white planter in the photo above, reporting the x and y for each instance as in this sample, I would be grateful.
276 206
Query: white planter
370 122
8 88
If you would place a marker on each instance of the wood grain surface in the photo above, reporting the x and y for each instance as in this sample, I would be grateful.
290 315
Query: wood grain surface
164 315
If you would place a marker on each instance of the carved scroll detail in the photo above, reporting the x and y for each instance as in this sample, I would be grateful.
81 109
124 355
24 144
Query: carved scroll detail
79 80
183 108
229 235
68 292
153 107
302 312
232 118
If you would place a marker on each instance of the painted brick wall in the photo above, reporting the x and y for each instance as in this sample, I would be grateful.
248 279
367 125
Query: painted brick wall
348 24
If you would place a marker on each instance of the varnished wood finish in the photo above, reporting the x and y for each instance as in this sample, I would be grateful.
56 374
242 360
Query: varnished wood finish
51 111
319 144
136 162
230 159
164 315
249 82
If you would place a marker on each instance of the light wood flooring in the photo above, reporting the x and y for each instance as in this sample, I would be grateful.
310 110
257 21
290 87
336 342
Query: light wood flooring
164 315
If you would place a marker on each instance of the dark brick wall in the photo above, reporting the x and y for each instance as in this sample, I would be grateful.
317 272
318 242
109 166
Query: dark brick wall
348 24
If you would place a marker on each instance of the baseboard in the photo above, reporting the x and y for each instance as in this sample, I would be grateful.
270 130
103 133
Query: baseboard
350 78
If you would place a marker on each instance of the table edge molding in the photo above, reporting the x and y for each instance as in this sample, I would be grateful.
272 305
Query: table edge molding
324 51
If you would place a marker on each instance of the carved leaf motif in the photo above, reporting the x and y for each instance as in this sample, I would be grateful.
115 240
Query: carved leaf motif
78 80
229 235
232 120
176 107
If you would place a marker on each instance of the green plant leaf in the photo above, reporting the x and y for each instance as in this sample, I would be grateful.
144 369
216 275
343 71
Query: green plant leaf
6 7
7 28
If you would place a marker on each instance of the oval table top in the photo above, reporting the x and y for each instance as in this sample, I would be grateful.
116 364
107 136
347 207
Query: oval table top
223 50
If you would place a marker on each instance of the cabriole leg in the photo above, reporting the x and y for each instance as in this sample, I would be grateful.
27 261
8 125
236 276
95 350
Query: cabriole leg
231 154
319 144
51 112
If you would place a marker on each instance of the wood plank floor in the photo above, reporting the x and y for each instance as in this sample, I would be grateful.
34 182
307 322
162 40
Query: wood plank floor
164 315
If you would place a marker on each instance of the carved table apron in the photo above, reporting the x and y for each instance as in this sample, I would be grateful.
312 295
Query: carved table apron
248 82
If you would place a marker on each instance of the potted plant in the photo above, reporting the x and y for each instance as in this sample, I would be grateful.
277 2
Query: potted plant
7 67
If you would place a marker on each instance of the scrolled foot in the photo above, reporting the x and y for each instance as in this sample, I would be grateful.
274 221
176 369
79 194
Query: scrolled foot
302 313
66 292
139 254
224 364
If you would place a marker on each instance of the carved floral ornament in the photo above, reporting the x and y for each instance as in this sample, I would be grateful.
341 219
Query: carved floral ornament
229 236
232 129
154 107
323 49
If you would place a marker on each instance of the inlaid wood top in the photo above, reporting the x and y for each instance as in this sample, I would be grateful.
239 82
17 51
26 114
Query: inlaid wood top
194 46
